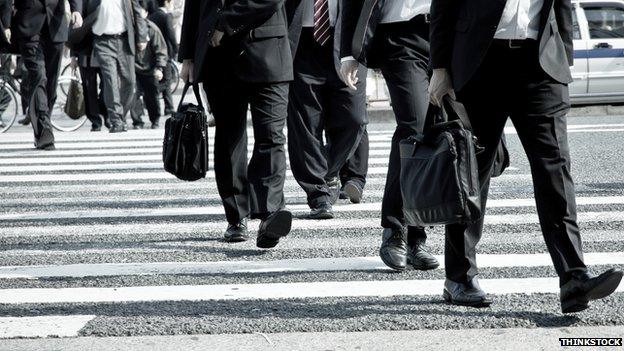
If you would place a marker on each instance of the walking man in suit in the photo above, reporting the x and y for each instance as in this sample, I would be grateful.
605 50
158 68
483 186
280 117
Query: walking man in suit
240 51
321 101
392 35
511 60
41 28
164 21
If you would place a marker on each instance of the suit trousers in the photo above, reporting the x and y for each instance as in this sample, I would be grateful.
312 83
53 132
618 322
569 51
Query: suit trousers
165 88
320 101
42 60
356 167
401 52
255 189
511 84
118 79
148 89
94 104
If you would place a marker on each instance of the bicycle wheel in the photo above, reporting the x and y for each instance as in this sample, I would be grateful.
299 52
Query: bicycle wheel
66 72
8 106
175 76
59 119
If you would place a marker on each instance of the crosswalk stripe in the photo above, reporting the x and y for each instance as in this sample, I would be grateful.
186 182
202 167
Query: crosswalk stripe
43 326
111 159
268 291
274 266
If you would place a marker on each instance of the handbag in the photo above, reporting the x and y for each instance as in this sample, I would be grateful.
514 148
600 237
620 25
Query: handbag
439 173
185 146
75 106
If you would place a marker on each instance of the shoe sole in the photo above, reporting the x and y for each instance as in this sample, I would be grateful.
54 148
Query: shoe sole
606 288
477 304
325 215
354 194
423 268
236 239
279 227
396 268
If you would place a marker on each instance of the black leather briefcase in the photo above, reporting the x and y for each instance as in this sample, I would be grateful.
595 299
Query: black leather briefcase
439 174
185 147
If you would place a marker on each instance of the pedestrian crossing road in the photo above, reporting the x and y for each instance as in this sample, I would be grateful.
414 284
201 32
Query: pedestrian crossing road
98 241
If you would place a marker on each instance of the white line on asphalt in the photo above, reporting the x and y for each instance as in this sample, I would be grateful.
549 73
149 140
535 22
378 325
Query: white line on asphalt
268 291
274 266
512 131
42 327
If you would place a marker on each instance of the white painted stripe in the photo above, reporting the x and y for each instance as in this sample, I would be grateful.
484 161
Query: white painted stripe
42 327
269 291
512 131
274 266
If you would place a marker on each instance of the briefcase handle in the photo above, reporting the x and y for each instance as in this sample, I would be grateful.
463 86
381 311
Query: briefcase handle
452 110
195 91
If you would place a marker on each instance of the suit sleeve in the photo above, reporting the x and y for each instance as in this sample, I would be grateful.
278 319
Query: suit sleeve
350 13
170 35
443 20
75 6
190 24
159 47
139 22
563 12
247 14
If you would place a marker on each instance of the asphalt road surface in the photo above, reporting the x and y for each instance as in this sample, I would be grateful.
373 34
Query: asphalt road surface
97 242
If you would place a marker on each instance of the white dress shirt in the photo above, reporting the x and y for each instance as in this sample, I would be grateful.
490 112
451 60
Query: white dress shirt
308 18
403 10
111 19
520 20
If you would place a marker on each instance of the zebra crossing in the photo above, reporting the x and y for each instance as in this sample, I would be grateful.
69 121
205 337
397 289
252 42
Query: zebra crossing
97 240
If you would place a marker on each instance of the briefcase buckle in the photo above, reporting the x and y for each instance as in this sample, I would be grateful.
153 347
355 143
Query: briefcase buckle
514 44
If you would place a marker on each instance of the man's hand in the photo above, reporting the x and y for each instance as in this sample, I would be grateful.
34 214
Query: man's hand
142 46
158 74
215 40
76 20
348 73
187 71
7 34
440 86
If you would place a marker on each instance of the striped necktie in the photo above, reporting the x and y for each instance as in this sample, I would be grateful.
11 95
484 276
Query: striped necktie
322 31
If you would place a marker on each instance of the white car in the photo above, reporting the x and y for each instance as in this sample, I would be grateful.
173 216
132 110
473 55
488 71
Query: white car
598 69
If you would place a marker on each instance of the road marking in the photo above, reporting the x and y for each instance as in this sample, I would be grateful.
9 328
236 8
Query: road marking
42 327
275 266
268 291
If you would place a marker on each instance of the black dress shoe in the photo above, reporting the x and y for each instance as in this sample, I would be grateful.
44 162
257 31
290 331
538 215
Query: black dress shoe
393 251
155 126
465 294
118 129
354 191
237 232
24 121
334 189
582 288
322 211
49 147
137 126
96 128
418 255
274 227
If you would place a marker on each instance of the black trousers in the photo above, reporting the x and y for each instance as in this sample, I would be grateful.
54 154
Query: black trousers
356 167
402 54
511 84
165 88
255 189
42 59
147 87
94 104
320 101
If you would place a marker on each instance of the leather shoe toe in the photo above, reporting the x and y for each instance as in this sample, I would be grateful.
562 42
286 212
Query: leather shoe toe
465 294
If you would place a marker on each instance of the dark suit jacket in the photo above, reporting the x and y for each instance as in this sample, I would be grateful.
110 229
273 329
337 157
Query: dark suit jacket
31 15
6 11
295 10
136 33
462 31
164 22
256 43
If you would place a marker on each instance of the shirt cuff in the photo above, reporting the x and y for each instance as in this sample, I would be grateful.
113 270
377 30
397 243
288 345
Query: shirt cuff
348 58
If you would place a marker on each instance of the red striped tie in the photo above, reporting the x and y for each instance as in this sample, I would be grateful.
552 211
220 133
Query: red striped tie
322 31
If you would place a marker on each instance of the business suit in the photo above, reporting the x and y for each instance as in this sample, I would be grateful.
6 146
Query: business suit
251 67
319 101
41 28
401 51
164 22
527 81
